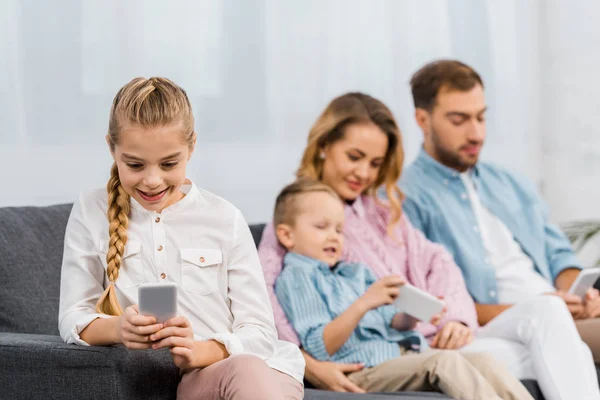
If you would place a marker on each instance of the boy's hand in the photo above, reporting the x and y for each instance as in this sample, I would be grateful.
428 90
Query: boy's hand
178 336
384 291
134 330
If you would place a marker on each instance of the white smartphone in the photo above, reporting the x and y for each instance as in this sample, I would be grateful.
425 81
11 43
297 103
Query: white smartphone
158 300
584 281
418 303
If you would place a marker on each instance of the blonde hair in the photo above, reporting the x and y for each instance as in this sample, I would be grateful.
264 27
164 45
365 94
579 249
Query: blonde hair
286 204
150 103
345 110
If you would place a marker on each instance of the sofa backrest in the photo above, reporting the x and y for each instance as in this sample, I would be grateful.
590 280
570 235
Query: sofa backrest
31 249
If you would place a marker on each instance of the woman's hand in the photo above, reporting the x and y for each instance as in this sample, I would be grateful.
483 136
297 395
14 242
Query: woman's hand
134 330
453 335
178 336
332 376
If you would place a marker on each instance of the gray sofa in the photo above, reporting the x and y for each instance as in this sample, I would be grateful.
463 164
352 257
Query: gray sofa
36 364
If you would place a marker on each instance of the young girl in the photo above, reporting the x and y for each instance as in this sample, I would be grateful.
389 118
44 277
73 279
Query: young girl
154 225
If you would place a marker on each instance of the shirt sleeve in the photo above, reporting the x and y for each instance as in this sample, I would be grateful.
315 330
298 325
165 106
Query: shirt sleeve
305 308
443 278
271 255
253 328
81 278
558 249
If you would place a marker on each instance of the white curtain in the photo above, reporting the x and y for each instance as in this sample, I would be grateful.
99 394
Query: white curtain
259 72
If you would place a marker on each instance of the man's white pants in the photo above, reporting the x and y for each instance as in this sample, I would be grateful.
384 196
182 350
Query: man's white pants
537 339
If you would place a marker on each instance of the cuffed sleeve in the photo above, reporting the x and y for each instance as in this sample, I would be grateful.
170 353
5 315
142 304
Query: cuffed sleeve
81 281
253 324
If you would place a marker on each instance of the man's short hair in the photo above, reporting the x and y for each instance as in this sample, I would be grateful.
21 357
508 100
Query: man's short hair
427 82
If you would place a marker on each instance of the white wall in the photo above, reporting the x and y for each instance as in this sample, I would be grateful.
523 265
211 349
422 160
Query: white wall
258 74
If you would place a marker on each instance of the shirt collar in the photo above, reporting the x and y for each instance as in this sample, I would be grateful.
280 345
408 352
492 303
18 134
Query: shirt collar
190 190
432 166
341 268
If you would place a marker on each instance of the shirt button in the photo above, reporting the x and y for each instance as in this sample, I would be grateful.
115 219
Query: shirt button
163 275
157 220
159 248
446 181
492 293
463 196
202 259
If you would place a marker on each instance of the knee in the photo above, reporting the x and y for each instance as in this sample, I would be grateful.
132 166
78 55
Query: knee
246 364
444 359
481 361
549 308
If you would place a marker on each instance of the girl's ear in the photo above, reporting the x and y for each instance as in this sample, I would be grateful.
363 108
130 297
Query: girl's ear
285 235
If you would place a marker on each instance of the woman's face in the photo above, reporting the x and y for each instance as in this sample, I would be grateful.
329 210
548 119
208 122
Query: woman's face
352 163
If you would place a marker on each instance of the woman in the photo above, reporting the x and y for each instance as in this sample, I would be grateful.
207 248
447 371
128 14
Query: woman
355 147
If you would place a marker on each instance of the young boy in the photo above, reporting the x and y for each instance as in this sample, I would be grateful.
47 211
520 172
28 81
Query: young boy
342 313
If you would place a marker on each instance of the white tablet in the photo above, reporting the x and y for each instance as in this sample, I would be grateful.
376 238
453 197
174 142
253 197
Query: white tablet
158 300
584 281
418 303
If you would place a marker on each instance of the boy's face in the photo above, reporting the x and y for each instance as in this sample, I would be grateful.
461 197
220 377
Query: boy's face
318 228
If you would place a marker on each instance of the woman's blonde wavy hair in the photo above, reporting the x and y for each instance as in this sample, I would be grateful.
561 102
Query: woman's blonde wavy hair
149 103
345 110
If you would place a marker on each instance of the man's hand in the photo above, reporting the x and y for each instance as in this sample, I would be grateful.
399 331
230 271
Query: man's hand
574 303
453 335
592 304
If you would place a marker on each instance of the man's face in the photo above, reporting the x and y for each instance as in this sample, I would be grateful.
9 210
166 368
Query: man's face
455 128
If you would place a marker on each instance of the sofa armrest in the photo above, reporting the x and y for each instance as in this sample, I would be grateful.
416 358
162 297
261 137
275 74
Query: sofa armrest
41 366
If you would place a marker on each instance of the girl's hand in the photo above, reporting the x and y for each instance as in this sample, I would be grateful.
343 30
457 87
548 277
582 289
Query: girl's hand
178 336
134 330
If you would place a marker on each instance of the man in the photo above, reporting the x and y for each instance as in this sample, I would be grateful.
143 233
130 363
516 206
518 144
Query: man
492 221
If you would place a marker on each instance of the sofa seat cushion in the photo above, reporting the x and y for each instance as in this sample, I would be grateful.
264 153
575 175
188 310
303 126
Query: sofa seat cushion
33 366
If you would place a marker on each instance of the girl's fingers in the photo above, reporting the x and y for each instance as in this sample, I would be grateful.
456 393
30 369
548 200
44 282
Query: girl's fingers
171 331
141 320
145 330
172 341
179 320
181 351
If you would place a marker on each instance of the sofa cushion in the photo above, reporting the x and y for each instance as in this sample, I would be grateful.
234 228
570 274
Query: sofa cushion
31 248
40 366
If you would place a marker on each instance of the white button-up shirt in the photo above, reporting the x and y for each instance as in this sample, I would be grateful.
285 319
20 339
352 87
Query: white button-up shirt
203 244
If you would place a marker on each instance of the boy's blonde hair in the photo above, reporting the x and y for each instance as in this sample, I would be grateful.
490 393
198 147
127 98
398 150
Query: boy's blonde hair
149 102
286 204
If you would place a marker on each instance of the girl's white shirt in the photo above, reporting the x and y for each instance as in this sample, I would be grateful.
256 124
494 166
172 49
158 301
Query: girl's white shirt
204 245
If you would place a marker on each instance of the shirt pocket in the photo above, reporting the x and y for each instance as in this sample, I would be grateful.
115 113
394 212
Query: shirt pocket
200 269
130 273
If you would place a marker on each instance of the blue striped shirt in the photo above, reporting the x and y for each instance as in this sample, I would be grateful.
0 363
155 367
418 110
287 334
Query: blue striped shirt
312 295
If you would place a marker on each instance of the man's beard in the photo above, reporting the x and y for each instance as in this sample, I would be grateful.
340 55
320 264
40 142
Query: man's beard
450 158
